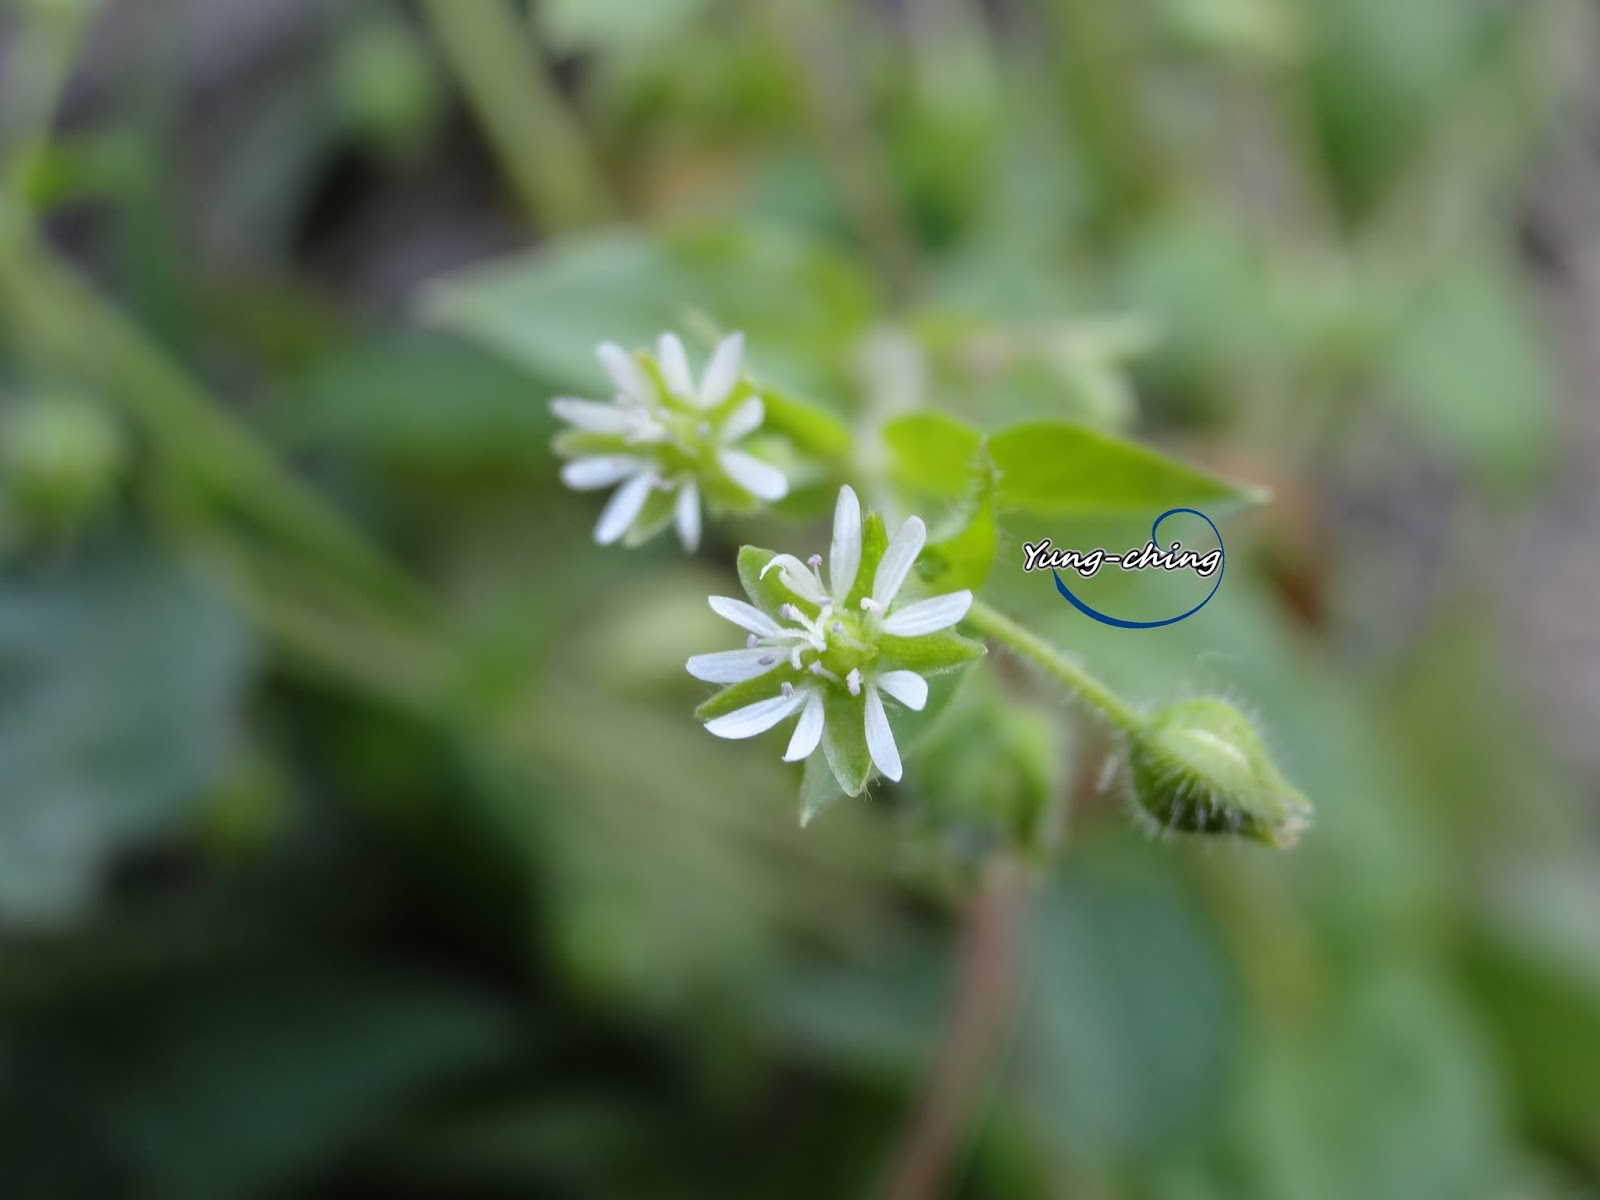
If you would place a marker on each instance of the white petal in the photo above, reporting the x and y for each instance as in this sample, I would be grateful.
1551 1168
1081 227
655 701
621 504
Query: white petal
880 739
762 480
686 512
808 730
626 373
594 418
723 372
897 559
907 687
674 362
797 577
844 555
733 666
623 508
745 616
602 470
928 616
744 420
755 718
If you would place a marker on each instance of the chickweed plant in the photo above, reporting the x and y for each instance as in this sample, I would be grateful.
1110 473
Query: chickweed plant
842 648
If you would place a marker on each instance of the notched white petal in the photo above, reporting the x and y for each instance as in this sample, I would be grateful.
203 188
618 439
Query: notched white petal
592 417
880 738
762 480
733 666
623 508
808 730
745 616
897 559
722 374
928 616
686 514
674 362
744 420
630 378
598 471
907 687
844 555
755 718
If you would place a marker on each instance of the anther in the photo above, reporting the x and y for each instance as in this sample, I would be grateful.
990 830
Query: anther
786 688
768 660
751 642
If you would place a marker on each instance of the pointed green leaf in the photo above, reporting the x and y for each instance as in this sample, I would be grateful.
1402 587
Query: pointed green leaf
1051 468
811 428
963 559
932 454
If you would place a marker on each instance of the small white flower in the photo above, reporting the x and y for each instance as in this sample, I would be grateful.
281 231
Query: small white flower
836 661
665 436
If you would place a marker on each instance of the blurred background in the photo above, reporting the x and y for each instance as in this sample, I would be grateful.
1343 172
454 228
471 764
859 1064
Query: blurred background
355 836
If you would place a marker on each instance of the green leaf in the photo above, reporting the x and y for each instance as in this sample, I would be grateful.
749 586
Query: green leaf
819 788
933 454
964 559
1048 468
120 681
844 739
811 428
930 654
802 306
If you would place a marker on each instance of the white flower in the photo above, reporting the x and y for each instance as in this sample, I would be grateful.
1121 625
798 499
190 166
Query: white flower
666 440
836 662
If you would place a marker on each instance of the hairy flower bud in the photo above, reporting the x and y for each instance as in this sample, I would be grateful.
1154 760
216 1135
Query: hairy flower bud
1199 766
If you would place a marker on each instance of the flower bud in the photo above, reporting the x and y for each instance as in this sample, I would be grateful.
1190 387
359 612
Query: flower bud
1199 767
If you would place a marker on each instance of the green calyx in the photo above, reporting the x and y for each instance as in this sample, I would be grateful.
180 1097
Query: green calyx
1199 767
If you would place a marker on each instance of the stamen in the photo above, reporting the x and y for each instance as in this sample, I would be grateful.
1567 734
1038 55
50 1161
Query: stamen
789 612
786 688
853 681
751 642
814 561
822 672
768 660
871 605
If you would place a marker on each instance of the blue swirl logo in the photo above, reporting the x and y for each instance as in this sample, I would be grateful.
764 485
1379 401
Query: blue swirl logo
1042 556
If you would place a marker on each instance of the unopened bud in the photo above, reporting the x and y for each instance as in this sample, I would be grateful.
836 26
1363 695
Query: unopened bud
1199 767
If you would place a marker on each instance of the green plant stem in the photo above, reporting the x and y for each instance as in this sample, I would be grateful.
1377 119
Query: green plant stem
1055 664
538 142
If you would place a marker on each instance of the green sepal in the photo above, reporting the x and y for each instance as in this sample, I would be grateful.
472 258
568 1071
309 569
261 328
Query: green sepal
819 788
739 695
655 516
844 739
874 541
930 654
766 592
581 443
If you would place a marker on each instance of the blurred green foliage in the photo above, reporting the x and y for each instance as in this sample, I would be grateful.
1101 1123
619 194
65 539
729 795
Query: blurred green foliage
355 835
